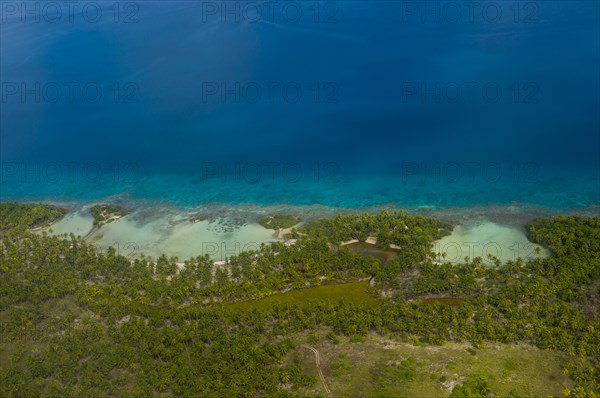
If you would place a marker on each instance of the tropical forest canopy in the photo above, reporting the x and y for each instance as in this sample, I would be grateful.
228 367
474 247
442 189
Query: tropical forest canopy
77 321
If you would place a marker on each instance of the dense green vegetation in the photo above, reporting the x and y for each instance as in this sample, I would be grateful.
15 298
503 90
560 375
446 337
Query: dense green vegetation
28 216
76 321
279 221
104 214
473 387
399 228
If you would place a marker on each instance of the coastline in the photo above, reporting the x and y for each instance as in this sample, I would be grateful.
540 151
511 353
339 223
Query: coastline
152 229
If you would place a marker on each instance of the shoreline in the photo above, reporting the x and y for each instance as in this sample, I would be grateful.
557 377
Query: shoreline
152 229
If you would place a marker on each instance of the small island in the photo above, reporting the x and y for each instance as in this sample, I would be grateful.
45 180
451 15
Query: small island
104 214
279 221
196 218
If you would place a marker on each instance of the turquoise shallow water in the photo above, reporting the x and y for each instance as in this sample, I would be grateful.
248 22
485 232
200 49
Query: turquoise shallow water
565 191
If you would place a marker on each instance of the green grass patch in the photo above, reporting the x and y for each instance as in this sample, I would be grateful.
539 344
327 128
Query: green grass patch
511 365
341 367
384 254
381 367
353 292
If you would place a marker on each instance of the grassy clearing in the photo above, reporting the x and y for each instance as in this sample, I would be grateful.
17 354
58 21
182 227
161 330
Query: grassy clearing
367 249
354 292
53 316
381 367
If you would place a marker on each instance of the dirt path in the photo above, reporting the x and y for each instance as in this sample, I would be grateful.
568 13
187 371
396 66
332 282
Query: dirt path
94 229
318 363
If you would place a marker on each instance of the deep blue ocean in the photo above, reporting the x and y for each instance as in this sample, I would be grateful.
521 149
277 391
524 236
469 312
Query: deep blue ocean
340 103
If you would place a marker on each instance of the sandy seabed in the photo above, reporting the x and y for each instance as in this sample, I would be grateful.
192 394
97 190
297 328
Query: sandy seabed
480 237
